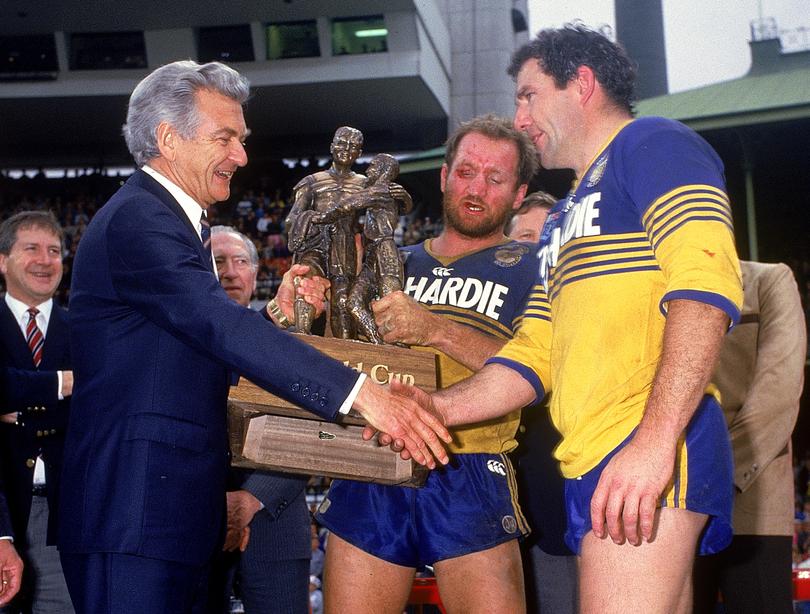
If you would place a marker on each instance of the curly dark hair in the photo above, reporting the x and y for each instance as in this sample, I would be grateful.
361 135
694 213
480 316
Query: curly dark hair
562 51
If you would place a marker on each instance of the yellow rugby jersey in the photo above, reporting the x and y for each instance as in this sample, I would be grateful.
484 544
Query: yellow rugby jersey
486 290
649 222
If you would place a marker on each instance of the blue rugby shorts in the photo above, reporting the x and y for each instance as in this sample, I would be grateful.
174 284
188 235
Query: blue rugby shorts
468 506
702 481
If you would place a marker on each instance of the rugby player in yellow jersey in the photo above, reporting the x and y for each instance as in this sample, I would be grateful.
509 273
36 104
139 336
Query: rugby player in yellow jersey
643 280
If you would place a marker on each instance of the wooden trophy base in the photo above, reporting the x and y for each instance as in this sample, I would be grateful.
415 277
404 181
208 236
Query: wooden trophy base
267 432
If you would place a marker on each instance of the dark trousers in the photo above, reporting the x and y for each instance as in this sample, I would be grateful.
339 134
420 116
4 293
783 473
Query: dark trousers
753 575
114 583
264 586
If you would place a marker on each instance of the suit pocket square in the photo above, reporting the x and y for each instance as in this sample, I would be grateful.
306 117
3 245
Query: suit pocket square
167 430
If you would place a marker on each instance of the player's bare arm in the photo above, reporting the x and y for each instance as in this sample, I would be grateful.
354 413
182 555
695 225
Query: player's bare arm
401 319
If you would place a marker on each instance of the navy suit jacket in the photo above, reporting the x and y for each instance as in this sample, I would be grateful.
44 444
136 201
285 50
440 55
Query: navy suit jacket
280 531
153 337
43 417
5 520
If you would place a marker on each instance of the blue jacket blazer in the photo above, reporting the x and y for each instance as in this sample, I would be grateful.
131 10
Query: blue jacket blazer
5 519
153 337
33 392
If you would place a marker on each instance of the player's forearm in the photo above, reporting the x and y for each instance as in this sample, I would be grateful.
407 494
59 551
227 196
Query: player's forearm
464 344
493 391
692 339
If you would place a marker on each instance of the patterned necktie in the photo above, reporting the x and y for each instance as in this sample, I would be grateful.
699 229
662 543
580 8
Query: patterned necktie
205 235
205 231
34 337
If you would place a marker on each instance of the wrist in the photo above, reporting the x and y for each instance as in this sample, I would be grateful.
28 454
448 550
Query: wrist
659 436
437 331
277 315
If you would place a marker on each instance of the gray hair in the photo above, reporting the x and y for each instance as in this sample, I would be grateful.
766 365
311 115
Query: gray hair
168 95
249 246
25 220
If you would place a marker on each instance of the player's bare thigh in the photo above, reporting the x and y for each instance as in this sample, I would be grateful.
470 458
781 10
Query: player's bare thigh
489 582
357 582
651 578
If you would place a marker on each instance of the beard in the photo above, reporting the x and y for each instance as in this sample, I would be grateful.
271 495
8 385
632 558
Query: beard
478 227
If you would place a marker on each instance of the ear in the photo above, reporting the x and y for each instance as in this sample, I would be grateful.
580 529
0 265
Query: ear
443 177
3 263
586 83
520 195
167 141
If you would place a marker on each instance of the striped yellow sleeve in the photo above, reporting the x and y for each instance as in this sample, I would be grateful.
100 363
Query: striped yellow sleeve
529 351
692 235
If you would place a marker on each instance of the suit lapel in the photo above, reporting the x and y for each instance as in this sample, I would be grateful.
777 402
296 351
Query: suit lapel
57 343
13 340
142 180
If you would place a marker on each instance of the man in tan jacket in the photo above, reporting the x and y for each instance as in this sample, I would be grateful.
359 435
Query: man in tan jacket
760 375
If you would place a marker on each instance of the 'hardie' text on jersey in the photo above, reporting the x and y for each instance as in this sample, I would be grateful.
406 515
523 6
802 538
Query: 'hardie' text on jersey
580 221
470 293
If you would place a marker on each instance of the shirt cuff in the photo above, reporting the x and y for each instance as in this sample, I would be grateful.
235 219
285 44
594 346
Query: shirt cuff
701 296
59 386
347 404
7 538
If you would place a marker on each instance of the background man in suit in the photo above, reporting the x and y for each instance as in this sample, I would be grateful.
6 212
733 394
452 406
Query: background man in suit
760 376
268 518
11 565
36 389
154 339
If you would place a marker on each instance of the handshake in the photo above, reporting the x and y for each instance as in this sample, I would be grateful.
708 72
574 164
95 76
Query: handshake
402 416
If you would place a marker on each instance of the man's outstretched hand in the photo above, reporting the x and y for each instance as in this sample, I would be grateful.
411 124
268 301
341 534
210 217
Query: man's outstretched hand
413 393
408 417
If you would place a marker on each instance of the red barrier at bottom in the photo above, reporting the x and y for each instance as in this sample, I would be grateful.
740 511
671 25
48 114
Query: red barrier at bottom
425 592
801 584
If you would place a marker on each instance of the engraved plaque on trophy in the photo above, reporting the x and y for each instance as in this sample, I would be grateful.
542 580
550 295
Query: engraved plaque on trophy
268 432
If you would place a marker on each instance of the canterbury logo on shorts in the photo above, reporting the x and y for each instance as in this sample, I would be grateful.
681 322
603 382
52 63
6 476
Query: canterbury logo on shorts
496 467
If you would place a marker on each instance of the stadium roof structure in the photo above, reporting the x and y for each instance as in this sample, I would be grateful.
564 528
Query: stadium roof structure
305 82
777 88
760 126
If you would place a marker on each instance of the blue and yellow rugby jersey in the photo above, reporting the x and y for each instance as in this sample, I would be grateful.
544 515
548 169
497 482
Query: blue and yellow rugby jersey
649 222
486 290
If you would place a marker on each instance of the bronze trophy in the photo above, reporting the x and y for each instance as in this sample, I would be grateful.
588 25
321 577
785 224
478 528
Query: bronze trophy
269 433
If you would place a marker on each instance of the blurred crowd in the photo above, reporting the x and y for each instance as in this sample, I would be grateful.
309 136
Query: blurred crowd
259 213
